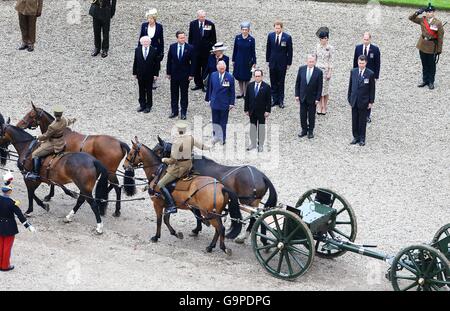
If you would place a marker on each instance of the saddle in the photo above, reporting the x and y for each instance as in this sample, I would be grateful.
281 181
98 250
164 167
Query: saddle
52 157
183 183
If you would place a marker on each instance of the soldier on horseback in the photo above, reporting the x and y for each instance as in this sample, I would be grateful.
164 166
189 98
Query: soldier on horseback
180 162
52 141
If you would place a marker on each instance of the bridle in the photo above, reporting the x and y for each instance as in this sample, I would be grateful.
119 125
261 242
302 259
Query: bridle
36 120
135 154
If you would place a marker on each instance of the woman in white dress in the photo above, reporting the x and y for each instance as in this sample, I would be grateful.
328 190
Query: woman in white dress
324 55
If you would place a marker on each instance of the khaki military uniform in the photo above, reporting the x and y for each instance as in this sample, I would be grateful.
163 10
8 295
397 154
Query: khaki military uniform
28 11
180 161
53 140
430 44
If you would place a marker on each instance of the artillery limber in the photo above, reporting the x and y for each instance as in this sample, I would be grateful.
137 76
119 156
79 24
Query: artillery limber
286 239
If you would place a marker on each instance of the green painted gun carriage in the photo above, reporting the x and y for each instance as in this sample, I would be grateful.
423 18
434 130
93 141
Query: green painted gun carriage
322 223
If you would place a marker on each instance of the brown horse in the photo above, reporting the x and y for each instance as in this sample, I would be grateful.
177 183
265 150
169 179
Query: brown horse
107 149
249 183
204 194
79 168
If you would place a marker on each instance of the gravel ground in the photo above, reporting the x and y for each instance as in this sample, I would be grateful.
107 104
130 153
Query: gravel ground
398 184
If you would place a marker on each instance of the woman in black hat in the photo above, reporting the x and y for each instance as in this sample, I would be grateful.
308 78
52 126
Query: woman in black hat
324 56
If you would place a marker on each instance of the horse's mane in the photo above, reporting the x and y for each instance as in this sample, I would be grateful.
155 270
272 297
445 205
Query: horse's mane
152 153
2 120
49 116
23 136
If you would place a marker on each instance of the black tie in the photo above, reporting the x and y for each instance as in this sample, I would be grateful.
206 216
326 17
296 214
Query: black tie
278 40
256 89
365 51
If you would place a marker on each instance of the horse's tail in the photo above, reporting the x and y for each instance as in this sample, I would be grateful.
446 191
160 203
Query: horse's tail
129 184
273 196
235 212
101 188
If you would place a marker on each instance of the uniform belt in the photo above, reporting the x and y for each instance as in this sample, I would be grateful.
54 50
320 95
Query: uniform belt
183 160
428 39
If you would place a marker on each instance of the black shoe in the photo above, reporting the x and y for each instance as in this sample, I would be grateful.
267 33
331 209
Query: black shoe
95 52
196 88
354 141
104 54
302 134
239 96
431 86
147 110
23 46
183 117
369 120
170 202
251 147
30 48
275 104
260 149
173 115
204 89
310 135
140 109
423 84
362 143
282 105
7 269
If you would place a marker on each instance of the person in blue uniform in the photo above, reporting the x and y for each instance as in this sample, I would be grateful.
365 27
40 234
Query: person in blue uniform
155 32
221 96
216 56
9 208
244 58
279 58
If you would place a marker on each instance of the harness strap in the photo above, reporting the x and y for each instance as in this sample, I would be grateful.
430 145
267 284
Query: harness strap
251 174
83 142
198 189
253 180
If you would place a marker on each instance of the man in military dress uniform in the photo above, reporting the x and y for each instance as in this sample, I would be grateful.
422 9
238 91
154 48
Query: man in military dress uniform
180 162
29 11
430 43
102 11
52 141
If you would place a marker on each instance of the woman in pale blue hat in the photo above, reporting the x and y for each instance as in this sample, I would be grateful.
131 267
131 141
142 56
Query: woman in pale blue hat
244 58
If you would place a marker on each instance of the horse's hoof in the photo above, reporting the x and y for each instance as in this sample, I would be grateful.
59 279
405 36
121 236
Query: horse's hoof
228 251
180 235
97 232
239 240
116 214
209 249
193 234
47 199
46 207
154 239
67 220
29 215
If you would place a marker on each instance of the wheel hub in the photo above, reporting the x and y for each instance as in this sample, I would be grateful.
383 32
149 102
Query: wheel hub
421 281
280 245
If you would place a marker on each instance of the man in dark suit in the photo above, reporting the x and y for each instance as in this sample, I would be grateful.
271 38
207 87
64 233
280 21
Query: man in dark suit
202 36
308 90
373 55
102 11
145 69
221 96
361 96
258 107
180 71
279 57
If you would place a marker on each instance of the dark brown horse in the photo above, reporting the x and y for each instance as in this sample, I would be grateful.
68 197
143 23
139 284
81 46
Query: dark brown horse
107 149
249 183
80 168
204 194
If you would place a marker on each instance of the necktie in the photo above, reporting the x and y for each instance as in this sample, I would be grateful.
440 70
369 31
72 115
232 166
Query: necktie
145 53
180 52
278 40
201 29
221 78
365 50
360 74
256 89
308 76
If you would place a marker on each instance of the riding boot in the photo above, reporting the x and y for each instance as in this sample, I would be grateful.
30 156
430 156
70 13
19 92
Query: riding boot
170 202
34 175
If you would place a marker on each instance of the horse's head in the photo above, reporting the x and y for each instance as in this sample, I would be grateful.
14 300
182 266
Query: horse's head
134 158
162 148
32 119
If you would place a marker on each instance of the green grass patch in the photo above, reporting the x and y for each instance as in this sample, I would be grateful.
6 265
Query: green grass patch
438 4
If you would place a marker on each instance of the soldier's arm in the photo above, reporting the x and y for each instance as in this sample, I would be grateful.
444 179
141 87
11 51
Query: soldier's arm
169 161
20 215
200 145
415 18
440 38
71 121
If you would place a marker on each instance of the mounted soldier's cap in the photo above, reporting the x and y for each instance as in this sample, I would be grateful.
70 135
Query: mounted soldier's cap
430 8
182 126
58 111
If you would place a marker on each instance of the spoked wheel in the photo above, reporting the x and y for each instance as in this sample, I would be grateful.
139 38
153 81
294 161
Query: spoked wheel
441 240
420 268
345 226
289 248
